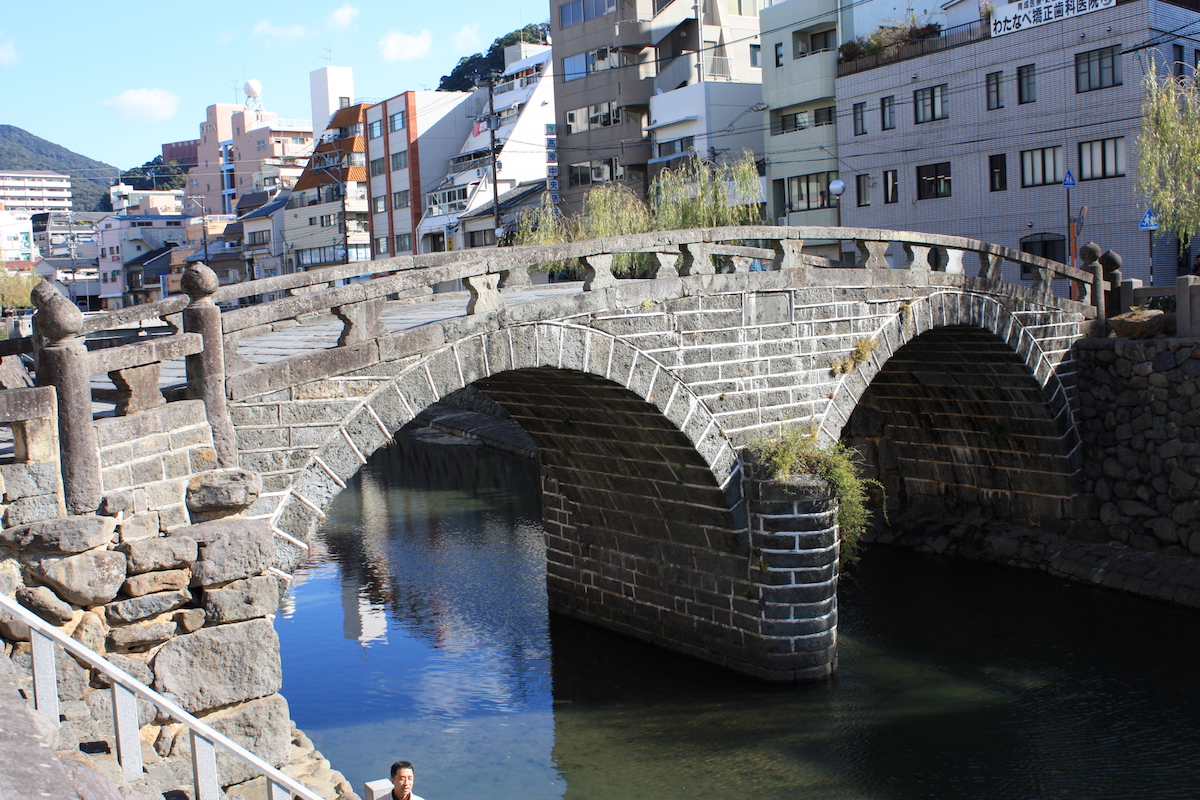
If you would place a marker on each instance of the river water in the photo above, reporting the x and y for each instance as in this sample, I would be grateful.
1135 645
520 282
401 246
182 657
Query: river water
418 629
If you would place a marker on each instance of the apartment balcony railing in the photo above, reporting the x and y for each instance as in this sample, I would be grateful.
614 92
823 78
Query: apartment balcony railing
948 38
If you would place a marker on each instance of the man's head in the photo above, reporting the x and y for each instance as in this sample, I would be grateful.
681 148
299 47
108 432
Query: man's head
402 779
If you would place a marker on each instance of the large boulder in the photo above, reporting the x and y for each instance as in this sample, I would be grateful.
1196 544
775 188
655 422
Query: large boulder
84 579
221 665
244 599
150 555
231 549
65 535
261 726
122 612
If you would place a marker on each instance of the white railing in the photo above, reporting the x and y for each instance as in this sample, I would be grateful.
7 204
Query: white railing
125 690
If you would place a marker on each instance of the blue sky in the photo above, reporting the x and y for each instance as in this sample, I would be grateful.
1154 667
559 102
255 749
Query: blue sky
113 81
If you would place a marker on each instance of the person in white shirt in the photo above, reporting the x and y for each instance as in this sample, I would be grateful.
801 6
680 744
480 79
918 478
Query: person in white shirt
402 781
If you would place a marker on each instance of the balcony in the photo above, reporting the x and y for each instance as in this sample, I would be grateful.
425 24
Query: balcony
948 38
632 35
634 152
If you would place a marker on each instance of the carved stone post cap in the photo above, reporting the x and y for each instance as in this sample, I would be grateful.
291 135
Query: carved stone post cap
1089 252
199 280
1110 260
57 317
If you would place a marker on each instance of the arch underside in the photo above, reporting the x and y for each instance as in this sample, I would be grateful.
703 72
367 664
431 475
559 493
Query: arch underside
954 421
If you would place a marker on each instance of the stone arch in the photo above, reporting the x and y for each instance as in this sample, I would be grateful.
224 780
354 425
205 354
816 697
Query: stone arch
999 434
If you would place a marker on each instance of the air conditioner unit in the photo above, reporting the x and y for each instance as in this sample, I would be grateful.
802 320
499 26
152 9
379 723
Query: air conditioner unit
783 221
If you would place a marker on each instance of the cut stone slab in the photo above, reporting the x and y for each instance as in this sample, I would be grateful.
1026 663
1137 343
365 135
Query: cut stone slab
261 726
157 554
227 490
84 579
150 582
231 549
220 665
123 612
140 635
65 535
240 600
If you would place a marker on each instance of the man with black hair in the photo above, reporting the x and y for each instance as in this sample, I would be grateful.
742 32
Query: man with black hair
402 781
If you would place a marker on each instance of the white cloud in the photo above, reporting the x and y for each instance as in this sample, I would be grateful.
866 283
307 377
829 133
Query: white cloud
225 37
144 105
8 53
280 33
343 17
466 38
397 46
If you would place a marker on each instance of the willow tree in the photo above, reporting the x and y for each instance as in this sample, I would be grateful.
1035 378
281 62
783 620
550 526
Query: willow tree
693 194
1169 168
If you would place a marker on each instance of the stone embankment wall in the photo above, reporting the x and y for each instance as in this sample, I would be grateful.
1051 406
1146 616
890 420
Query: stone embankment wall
181 604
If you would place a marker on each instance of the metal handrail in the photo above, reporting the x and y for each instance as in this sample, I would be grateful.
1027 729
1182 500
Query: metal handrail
43 637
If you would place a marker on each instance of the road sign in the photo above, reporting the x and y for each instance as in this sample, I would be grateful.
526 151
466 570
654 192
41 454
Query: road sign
1149 221
1069 180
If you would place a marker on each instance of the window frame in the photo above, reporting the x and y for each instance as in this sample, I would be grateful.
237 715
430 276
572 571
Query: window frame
1103 65
929 104
1027 157
1116 156
891 186
862 189
1026 84
887 113
859 112
998 172
934 181
995 90
377 166
375 129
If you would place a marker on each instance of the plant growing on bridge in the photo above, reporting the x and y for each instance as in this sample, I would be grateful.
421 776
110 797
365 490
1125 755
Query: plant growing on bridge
797 451
861 351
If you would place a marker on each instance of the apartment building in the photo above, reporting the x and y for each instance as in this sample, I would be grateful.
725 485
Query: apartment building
523 119
981 130
640 83
34 190
238 145
129 239
410 139
127 200
67 234
325 217
16 236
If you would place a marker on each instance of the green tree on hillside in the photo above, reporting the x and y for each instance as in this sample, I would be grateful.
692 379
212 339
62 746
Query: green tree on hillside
462 77
156 175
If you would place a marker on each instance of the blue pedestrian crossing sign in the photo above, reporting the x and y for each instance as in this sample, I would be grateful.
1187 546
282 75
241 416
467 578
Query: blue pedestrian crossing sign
1069 180
1149 221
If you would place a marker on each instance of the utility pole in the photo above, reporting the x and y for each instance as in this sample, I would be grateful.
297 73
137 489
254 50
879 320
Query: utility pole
491 80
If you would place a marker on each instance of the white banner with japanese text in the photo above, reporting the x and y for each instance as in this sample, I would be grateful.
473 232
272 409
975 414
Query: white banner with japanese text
1024 14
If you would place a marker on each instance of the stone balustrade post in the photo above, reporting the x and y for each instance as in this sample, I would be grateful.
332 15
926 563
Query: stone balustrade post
1187 304
64 363
206 369
1089 255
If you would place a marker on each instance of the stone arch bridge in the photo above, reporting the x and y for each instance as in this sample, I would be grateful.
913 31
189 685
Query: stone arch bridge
641 394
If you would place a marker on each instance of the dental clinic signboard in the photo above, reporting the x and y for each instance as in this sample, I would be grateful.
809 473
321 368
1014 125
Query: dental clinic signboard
1032 13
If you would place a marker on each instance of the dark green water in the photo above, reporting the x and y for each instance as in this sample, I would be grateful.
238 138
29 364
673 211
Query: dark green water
419 630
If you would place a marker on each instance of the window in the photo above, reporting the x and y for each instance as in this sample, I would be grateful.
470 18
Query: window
808 192
377 167
1047 245
929 104
375 129
1177 55
1041 167
863 184
261 144
400 199
676 147
600 115
823 116
779 54
574 12
447 201
998 172
259 238
592 61
313 220
1026 84
328 220
822 41
1098 69
745 8
396 122
1103 158
756 55
400 160
403 242
933 180
796 121
381 246
995 90
887 112
860 119
483 238
379 204
599 170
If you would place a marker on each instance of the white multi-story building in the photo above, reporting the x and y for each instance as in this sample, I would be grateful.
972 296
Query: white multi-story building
35 190
126 238
16 236
523 119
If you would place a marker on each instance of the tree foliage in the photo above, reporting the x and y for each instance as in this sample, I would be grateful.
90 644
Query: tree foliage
16 287
1170 152
462 77
693 194
156 175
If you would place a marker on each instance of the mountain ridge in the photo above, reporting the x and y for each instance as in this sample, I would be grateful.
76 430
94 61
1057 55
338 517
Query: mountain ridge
90 179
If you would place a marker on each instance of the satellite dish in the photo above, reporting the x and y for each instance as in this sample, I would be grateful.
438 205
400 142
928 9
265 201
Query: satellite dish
252 88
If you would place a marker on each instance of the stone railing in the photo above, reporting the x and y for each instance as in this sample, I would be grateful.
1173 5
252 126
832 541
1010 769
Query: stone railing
194 326
46 640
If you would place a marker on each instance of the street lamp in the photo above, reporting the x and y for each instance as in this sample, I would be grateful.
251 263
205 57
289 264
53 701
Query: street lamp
837 188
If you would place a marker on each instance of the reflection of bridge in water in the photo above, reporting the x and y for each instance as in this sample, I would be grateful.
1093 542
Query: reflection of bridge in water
640 395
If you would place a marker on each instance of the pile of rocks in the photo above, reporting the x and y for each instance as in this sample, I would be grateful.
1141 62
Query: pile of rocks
188 614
